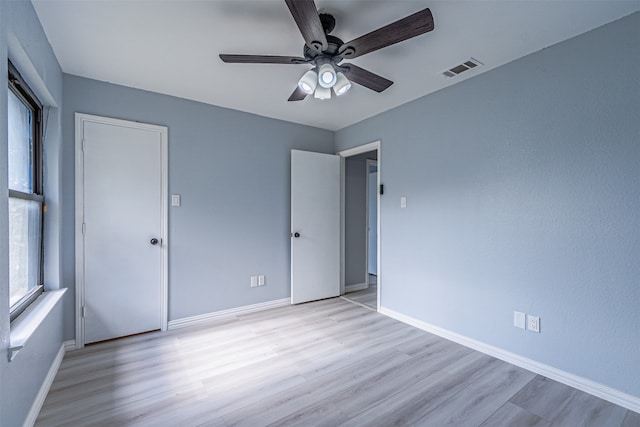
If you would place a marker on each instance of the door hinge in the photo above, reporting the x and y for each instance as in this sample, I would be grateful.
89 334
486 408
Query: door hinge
83 145
84 311
381 189
84 228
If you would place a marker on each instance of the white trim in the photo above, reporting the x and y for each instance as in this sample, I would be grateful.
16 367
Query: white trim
343 213
370 163
372 146
207 318
69 345
80 119
588 386
34 411
30 320
356 287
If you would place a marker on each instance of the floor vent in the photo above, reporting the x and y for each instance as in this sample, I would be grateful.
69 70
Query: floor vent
461 68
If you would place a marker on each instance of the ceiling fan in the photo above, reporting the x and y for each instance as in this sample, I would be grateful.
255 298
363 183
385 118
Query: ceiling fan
326 52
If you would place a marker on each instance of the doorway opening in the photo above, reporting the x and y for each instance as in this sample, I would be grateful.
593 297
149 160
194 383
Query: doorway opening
360 225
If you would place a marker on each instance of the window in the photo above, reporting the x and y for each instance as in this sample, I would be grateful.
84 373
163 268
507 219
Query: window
25 194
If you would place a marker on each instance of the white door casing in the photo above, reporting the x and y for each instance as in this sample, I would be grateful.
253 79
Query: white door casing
315 220
372 218
372 146
121 205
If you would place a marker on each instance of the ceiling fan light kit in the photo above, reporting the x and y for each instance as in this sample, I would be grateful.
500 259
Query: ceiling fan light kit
320 83
325 51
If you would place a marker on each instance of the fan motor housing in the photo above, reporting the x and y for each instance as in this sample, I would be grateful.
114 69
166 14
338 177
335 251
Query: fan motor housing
334 44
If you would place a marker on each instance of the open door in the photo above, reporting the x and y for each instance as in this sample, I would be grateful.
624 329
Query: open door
315 226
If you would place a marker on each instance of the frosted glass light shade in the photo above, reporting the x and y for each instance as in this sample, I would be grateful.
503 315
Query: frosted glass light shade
342 85
327 76
322 92
308 82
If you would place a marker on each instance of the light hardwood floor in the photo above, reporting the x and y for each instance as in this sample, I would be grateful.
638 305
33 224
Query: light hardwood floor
368 297
325 363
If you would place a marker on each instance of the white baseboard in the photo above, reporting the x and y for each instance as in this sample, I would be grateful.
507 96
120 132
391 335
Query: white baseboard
588 386
232 312
44 388
356 287
69 345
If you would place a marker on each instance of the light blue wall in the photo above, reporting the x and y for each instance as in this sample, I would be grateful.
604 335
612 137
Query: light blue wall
23 41
523 193
232 170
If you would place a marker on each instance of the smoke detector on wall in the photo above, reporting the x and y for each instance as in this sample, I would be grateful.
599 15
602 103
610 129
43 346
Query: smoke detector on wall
462 67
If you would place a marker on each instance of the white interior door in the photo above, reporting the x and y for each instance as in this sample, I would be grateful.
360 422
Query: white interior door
123 229
315 226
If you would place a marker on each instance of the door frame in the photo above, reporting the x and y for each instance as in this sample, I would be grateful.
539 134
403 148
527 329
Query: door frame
372 146
80 120
369 163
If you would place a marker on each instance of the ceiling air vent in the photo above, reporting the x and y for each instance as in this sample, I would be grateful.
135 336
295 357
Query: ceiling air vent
461 68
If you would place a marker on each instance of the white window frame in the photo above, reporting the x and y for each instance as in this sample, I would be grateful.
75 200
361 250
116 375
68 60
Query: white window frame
18 86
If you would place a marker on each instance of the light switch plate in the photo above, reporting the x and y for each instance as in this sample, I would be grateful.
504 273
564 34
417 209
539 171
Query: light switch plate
175 200
519 319
254 281
403 202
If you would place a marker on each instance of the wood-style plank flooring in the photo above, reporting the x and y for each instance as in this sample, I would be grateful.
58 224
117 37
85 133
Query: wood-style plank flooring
326 363
368 297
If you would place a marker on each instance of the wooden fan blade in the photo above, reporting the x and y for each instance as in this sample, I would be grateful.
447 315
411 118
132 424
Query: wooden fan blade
305 14
366 78
261 59
297 95
403 29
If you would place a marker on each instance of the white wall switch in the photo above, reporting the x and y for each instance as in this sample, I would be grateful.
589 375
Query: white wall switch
533 323
175 200
403 202
519 320
260 280
254 281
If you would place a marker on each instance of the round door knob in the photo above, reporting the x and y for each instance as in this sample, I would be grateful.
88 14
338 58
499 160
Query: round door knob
154 241
296 234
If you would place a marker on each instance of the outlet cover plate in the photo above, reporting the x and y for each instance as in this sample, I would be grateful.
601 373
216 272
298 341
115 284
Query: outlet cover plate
533 323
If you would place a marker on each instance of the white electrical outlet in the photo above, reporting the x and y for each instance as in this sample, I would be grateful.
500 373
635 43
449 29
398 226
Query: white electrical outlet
260 280
254 281
533 323
403 202
519 320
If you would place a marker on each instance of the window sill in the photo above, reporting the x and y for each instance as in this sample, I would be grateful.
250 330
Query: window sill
28 322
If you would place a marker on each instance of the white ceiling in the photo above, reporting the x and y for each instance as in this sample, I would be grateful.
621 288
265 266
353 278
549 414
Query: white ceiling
172 47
